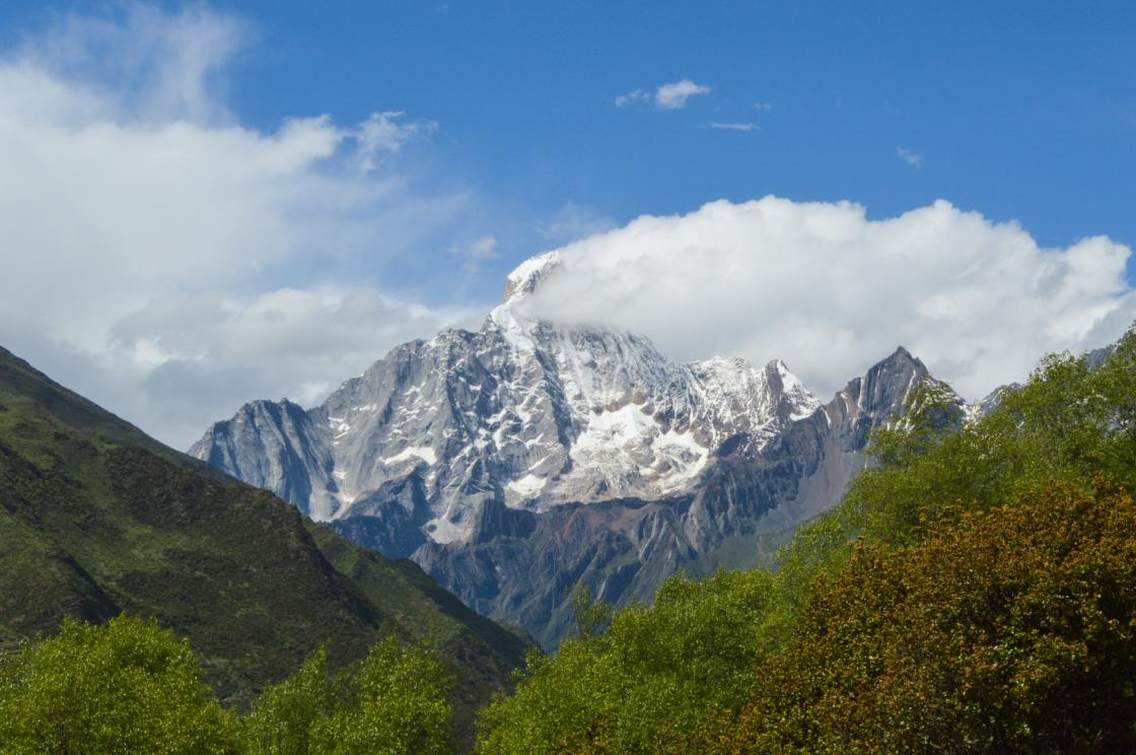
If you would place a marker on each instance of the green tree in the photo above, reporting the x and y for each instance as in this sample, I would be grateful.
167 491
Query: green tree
591 616
284 716
393 702
1012 630
127 686
656 673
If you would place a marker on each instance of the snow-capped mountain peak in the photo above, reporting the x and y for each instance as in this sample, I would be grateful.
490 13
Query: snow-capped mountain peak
523 412
525 277
509 459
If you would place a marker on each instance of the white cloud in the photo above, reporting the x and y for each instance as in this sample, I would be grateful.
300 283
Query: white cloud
635 97
830 291
384 134
914 159
732 126
672 96
481 250
762 107
299 343
171 262
140 63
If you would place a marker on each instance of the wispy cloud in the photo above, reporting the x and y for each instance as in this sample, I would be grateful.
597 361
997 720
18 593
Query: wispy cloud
738 126
385 133
481 250
914 159
761 107
635 97
672 96
573 221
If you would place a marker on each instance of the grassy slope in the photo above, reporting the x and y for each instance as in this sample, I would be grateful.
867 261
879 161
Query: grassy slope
96 518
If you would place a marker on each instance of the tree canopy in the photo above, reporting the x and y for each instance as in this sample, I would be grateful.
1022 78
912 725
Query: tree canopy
392 702
127 686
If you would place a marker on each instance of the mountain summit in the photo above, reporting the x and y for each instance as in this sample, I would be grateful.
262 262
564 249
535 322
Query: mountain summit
521 412
474 441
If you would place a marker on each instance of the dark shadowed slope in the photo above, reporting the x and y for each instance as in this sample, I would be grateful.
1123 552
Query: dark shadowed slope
98 519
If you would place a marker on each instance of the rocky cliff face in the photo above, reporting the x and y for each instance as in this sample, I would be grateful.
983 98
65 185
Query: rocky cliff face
514 461
523 566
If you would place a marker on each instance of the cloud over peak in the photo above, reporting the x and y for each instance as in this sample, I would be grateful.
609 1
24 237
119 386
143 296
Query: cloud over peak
830 291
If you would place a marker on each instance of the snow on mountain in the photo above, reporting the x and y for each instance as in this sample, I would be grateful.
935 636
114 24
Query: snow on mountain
521 410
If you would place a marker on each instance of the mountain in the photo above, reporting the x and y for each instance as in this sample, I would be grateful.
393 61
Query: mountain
513 461
749 499
520 411
98 519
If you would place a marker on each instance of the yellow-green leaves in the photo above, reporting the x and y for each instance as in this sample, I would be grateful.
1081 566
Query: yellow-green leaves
393 702
129 686
642 686
125 687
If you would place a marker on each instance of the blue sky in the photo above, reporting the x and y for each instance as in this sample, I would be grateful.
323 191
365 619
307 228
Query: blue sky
1019 110
510 141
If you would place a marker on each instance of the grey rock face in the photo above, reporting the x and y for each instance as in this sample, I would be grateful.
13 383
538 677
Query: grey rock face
1097 357
276 446
625 548
514 461
519 412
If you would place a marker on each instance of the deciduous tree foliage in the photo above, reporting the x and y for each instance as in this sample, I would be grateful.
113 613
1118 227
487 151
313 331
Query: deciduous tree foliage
1012 630
125 687
973 592
656 673
129 686
393 702
285 717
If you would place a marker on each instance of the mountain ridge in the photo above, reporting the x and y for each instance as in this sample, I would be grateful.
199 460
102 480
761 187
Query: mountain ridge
482 444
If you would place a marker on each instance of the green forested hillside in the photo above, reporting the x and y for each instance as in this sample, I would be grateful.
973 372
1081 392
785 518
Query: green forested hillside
97 520
974 592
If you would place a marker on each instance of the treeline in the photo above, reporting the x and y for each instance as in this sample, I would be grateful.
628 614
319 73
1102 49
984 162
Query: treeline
975 591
